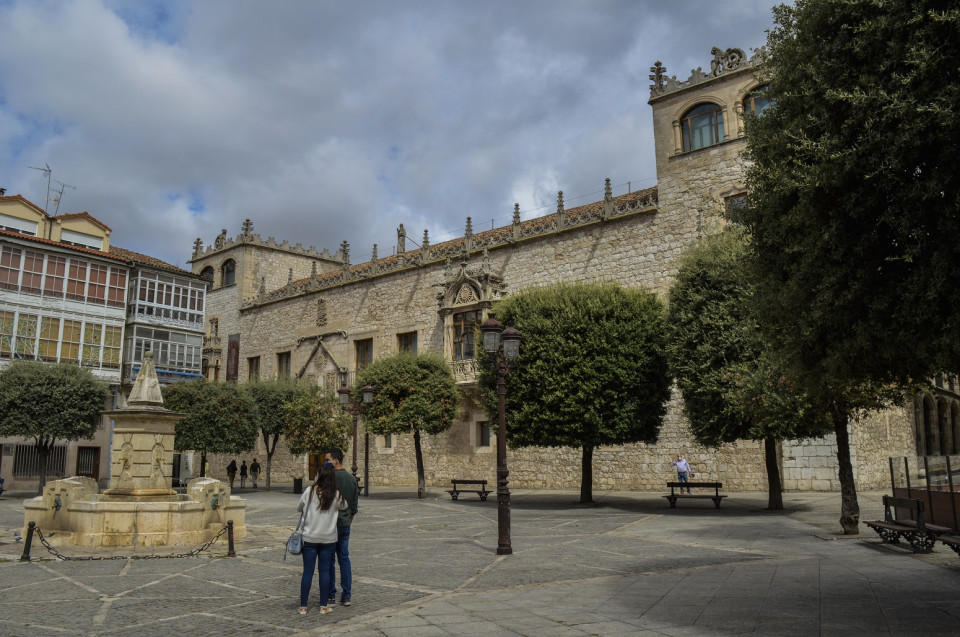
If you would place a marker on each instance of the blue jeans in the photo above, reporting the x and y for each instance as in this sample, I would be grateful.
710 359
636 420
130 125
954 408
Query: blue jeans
311 553
682 476
343 558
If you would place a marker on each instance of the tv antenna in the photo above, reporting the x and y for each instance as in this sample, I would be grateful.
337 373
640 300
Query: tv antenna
46 173
59 196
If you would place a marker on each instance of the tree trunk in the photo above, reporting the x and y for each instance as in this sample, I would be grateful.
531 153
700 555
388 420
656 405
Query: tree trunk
270 449
586 477
421 483
849 508
774 486
43 453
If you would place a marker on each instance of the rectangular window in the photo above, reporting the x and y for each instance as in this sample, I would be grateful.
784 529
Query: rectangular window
56 273
118 285
735 206
483 434
25 345
32 272
253 368
92 344
147 289
26 461
407 343
97 290
464 334
70 342
111 346
77 280
364 351
283 365
49 337
388 441
6 333
10 268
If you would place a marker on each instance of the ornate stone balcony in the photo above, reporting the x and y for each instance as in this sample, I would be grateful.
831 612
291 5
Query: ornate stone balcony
465 371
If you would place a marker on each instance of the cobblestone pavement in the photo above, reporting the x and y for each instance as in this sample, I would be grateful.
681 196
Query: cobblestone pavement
628 565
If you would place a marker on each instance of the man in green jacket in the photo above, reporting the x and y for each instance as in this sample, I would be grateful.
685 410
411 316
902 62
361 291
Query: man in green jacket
347 485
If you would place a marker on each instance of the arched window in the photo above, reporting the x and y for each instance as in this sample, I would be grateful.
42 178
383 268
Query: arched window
229 272
702 126
757 101
207 275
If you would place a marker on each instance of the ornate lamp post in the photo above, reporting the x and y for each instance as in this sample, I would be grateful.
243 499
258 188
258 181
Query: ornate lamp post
355 411
503 348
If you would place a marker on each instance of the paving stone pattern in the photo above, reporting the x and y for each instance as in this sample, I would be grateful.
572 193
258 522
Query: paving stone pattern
628 565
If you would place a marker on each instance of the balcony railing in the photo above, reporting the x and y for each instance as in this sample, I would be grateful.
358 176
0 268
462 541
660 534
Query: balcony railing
464 371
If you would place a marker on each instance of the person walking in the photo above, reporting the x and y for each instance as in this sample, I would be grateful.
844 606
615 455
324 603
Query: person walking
243 474
683 471
232 471
319 505
347 485
254 472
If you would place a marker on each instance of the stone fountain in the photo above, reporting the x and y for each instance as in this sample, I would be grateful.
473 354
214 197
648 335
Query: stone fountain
140 508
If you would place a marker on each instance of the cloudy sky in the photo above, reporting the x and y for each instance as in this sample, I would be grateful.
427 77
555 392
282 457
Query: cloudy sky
324 121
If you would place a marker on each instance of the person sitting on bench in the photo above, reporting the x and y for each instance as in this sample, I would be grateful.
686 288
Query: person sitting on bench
683 471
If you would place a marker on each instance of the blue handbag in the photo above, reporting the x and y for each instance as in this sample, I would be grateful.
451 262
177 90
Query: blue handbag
295 541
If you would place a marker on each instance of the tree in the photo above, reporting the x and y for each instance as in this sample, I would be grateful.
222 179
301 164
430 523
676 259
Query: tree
219 418
854 188
732 388
270 399
313 422
853 203
413 394
49 402
592 369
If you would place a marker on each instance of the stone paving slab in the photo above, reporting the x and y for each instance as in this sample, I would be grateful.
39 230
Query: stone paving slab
629 565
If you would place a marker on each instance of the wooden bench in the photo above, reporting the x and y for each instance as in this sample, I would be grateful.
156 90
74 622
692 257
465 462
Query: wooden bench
716 497
456 490
920 535
953 541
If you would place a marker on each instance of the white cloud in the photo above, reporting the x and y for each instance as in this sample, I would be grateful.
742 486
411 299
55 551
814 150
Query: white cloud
325 121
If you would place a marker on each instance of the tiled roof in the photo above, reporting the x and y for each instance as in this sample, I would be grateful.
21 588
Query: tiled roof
143 259
84 215
65 246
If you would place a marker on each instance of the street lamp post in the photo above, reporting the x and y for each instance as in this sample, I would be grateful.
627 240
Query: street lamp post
503 348
355 411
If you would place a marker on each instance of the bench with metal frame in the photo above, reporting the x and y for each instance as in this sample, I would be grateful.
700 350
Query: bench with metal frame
716 497
914 530
482 491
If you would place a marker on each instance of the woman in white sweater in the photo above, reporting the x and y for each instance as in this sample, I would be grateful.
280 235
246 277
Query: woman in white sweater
321 504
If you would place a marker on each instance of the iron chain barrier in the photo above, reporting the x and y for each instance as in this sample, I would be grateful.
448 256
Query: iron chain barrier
227 528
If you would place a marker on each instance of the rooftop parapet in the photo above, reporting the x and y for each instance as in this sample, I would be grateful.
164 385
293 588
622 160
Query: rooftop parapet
723 63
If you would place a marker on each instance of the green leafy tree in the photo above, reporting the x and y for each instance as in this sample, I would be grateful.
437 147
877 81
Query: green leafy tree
219 418
731 387
270 398
314 422
854 189
853 204
49 402
592 369
413 394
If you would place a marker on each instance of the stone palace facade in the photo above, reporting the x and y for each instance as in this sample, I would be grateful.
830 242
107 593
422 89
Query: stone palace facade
281 310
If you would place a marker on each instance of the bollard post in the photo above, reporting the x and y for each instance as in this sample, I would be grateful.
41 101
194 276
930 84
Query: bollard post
27 542
230 551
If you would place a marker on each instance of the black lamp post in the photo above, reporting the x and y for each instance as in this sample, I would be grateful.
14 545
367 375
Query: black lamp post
503 348
355 411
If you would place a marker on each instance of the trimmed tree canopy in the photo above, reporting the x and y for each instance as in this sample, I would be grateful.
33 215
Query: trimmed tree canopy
854 203
49 402
218 417
313 422
412 393
592 369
